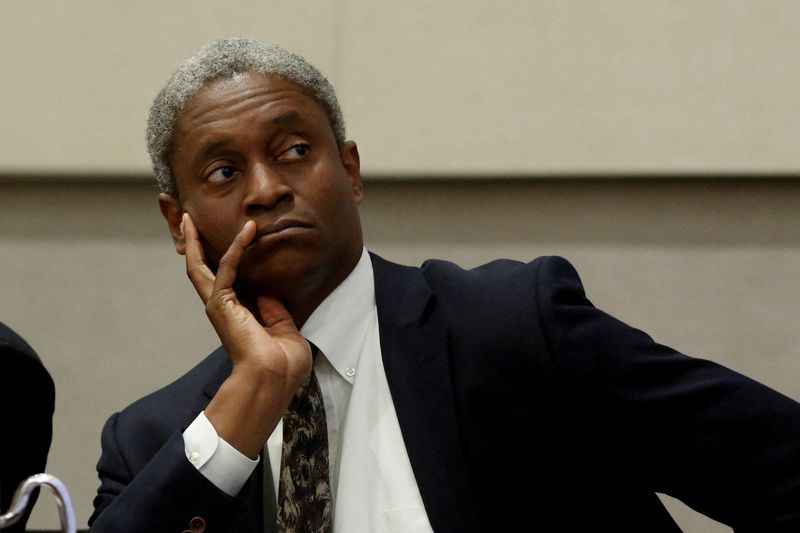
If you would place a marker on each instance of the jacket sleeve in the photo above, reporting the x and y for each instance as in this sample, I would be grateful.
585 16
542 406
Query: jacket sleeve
168 494
722 443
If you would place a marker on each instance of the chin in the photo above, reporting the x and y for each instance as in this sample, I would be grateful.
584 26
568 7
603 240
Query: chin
283 274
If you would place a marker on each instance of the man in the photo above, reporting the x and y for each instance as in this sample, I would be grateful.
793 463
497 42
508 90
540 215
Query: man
486 400
27 400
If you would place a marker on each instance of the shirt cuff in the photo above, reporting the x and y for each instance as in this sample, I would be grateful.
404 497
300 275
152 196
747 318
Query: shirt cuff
218 461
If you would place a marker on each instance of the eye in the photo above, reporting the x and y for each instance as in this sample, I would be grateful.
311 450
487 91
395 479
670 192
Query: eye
298 151
221 174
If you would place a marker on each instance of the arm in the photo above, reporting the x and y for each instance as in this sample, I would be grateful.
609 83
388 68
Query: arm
719 441
269 361
163 496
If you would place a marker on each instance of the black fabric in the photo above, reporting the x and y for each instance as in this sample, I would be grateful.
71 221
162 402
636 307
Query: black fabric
522 408
27 400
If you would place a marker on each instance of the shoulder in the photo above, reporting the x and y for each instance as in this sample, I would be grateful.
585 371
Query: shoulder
503 283
11 343
501 300
446 275
503 288
21 368
500 272
174 406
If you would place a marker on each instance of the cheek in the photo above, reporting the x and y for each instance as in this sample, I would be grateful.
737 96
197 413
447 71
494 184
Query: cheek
214 246
337 201
216 233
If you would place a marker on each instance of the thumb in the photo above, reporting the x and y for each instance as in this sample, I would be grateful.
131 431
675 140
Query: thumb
275 317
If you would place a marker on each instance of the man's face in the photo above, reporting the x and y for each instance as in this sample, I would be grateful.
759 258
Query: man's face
259 148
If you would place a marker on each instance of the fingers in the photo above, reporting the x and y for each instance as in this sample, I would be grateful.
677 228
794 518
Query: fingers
201 276
281 328
196 267
275 317
226 270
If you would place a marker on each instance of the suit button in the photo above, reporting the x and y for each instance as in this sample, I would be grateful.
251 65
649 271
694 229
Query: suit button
197 525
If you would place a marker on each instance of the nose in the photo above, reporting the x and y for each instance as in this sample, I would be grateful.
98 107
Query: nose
266 190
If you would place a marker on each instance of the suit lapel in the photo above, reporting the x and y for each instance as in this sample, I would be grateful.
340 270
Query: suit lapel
417 366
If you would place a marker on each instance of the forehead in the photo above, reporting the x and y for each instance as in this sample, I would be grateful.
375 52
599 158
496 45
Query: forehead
248 98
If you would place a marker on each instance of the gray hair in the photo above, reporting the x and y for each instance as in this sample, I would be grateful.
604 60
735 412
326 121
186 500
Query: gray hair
224 59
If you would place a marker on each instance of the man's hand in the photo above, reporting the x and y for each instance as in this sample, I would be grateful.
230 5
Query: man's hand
270 358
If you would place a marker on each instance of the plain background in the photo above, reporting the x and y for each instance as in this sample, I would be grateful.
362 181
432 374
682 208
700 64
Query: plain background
654 144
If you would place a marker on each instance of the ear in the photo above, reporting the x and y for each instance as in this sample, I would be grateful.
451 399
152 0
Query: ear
352 165
172 211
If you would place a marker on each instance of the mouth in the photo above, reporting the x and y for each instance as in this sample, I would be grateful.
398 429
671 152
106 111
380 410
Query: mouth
284 228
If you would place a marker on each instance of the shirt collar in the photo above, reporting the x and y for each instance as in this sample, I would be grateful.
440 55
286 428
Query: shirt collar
339 325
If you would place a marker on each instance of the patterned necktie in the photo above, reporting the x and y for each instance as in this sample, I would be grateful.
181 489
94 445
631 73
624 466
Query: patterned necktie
304 494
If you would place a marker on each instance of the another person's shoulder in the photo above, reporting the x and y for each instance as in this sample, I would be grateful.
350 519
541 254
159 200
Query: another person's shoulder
10 342
20 366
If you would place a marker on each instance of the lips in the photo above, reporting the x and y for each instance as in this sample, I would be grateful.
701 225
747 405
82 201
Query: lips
280 226
284 228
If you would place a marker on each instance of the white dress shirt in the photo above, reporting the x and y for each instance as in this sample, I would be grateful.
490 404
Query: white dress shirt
372 483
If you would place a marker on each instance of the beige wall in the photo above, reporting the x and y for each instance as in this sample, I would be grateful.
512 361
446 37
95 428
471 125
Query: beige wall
434 92
89 276
433 87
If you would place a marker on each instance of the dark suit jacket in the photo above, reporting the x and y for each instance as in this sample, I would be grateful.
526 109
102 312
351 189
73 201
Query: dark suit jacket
522 407
27 398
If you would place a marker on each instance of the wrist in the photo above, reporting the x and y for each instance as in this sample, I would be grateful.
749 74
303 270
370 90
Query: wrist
246 410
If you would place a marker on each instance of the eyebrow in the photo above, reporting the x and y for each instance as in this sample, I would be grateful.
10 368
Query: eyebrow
213 147
286 118
208 150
